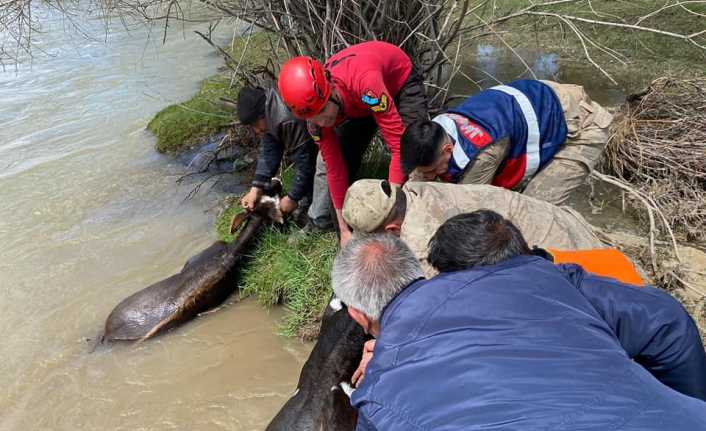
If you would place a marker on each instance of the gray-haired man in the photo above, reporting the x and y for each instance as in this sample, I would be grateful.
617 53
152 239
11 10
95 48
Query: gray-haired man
367 273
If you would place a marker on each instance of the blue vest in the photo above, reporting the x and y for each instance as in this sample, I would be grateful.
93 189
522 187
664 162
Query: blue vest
527 112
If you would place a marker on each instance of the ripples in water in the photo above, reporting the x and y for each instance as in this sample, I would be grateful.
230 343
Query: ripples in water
89 215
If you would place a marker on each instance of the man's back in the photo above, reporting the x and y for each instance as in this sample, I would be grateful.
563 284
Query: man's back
352 69
429 204
526 345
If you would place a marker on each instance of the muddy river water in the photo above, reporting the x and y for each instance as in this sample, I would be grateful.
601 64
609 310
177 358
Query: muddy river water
90 213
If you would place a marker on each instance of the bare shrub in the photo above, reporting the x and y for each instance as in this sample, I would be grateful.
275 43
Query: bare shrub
659 147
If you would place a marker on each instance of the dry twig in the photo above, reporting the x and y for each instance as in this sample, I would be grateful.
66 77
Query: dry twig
659 148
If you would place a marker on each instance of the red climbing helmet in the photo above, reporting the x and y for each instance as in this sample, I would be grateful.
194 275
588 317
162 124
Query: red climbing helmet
303 86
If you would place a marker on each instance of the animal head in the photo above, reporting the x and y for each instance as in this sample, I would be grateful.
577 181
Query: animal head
322 398
269 208
269 203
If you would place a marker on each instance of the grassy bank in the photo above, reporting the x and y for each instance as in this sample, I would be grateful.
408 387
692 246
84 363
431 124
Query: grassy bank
291 266
183 125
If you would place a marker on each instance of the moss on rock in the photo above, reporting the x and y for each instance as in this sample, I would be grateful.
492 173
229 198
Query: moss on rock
183 125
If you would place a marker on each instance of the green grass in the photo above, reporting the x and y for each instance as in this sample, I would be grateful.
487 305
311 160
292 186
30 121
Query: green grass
289 266
259 48
223 222
292 267
376 160
180 126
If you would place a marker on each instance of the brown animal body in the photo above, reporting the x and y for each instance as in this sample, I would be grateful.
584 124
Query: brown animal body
321 402
204 282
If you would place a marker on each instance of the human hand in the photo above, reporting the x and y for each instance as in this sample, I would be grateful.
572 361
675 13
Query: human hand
359 374
427 175
287 205
415 176
343 228
346 235
251 198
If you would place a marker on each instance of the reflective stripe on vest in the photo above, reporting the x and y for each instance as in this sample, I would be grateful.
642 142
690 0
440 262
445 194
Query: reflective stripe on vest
532 128
449 126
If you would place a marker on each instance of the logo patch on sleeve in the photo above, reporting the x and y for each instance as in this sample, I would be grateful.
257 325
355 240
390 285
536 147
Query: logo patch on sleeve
471 131
376 103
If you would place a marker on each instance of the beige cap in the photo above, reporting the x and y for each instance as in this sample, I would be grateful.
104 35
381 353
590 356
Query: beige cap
368 204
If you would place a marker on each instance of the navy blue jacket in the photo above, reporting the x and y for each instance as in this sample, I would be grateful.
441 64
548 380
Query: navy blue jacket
529 345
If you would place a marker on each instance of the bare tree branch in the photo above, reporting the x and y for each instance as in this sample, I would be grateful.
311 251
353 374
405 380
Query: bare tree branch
687 37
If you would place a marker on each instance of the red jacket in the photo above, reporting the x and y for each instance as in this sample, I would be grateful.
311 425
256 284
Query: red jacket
367 77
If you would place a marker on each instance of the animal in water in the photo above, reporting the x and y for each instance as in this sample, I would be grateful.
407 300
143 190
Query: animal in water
322 398
204 282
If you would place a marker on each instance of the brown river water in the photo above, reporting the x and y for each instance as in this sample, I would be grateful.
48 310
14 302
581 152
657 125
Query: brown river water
90 214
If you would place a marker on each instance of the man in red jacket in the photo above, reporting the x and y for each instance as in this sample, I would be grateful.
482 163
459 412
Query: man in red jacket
358 90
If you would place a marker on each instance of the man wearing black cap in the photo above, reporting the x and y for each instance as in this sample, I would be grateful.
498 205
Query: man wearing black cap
280 134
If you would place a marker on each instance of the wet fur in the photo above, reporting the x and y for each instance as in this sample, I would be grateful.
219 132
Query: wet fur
205 281
319 402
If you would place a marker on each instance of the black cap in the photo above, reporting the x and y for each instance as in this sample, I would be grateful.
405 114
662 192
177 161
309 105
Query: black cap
251 104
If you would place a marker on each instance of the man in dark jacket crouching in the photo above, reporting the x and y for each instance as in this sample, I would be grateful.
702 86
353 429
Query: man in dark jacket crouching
505 340
281 135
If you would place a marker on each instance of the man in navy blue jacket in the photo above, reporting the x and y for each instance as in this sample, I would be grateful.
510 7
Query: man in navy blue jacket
504 340
539 137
